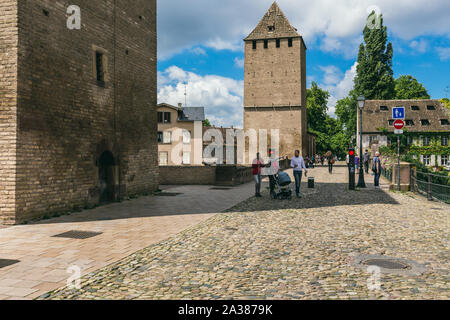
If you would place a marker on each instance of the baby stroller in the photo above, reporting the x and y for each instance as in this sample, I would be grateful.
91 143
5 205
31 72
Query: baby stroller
282 190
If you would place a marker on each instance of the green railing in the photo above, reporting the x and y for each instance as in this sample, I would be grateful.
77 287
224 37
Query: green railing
387 173
434 186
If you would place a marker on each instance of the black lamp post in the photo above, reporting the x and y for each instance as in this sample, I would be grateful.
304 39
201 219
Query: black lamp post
361 182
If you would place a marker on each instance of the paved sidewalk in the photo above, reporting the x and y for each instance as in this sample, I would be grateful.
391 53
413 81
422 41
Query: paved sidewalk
126 228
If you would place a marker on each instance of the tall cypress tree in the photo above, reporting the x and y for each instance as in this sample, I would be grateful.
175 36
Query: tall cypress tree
375 78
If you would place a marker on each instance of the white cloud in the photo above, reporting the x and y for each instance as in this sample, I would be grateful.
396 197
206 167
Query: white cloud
334 25
337 85
221 97
444 53
198 51
239 62
420 46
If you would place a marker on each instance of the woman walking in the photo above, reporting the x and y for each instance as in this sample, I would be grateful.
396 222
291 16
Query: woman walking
331 161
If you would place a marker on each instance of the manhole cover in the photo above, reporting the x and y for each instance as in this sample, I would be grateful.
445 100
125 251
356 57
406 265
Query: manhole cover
74 234
7 262
387 264
220 188
168 194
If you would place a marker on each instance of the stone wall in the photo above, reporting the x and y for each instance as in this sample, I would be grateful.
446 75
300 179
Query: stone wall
8 108
187 175
67 119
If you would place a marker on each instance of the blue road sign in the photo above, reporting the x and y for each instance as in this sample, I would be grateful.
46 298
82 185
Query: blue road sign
398 113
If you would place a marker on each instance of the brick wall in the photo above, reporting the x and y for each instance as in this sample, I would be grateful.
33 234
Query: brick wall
66 119
187 175
8 110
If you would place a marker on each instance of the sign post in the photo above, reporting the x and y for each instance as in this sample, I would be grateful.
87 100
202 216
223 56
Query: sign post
351 169
399 125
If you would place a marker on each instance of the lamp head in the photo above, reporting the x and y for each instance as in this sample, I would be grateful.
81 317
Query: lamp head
361 102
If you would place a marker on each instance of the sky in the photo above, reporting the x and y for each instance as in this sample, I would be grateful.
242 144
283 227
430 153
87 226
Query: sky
201 52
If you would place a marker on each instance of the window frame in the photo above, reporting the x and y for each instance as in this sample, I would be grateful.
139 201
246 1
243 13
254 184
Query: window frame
290 42
444 138
427 162
169 135
183 157
278 43
446 160
159 158
266 44
254 44
169 114
160 137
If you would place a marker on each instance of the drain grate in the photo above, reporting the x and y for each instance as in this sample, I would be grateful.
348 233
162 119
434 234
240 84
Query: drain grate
6 262
168 194
74 234
220 188
387 264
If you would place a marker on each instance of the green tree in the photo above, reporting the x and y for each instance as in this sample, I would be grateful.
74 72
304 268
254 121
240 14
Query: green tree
346 113
446 102
206 123
375 78
407 87
316 102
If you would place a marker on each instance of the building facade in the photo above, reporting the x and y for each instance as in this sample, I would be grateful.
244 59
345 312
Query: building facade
427 129
180 135
77 106
275 82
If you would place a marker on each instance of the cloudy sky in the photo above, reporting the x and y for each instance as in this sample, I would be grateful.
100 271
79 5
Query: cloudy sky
201 48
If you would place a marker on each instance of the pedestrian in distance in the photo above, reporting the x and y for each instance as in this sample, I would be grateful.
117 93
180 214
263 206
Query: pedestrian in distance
298 164
366 158
331 161
376 168
257 165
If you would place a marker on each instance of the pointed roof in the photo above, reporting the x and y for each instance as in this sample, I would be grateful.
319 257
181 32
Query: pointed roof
274 24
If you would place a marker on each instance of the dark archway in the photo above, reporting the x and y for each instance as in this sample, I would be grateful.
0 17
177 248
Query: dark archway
106 177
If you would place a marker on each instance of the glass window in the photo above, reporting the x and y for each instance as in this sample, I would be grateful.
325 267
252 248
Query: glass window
431 108
186 157
266 44
160 137
99 67
163 158
278 43
445 122
254 44
167 137
415 108
160 117
409 140
384 108
444 141
167 116
290 42
426 141
425 122
427 160
186 137
444 160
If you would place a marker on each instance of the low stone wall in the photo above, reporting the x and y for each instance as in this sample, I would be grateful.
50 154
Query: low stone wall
187 175
233 175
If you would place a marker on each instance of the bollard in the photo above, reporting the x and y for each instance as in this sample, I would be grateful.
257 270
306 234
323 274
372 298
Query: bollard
311 183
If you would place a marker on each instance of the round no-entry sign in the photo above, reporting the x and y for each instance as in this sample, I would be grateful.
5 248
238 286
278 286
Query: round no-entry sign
399 124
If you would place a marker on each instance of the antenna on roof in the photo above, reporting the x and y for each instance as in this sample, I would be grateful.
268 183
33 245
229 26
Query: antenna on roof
185 94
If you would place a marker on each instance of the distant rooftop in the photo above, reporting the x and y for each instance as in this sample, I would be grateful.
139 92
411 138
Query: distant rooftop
187 113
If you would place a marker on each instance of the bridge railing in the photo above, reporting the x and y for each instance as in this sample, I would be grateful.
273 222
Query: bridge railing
434 186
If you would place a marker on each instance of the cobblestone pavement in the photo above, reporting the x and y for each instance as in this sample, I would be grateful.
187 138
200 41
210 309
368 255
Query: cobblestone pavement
299 249
126 227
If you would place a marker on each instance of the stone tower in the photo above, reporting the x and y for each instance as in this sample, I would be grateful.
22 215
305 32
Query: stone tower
275 82
77 106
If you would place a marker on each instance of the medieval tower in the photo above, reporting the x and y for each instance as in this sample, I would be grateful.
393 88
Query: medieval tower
77 105
275 82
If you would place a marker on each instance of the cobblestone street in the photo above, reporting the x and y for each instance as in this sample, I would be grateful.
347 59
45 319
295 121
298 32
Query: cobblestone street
299 249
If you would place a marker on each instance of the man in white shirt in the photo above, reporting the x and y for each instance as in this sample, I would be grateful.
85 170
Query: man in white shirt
299 165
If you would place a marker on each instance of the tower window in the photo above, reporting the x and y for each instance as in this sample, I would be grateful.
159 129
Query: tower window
99 67
266 44
271 28
415 108
384 108
290 42
431 108
425 122
278 43
445 122
254 44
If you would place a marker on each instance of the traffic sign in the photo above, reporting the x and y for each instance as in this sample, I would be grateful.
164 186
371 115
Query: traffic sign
398 113
398 131
399 124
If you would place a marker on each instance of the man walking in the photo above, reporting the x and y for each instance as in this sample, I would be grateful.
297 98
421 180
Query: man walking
366 160
376 168
299 165
257 165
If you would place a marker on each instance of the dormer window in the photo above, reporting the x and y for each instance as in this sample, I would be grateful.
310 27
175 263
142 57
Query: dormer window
384 108
425 122
391 123
431 108
415 108
409 123
445 122
271 28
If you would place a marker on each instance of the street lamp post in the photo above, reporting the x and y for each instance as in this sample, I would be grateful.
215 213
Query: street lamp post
361 182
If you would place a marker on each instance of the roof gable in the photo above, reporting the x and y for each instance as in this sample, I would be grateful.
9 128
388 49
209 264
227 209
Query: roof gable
274 24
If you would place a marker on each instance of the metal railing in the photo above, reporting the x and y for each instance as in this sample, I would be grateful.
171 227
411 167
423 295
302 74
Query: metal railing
387 173
434 186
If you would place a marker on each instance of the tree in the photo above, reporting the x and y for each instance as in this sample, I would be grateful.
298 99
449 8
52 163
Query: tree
346 113
206 123
407 87
316 102
446 102
375 78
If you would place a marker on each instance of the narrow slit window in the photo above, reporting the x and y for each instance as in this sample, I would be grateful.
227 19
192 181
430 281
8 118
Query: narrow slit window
254 45
278 43
99 67
266 44
290 42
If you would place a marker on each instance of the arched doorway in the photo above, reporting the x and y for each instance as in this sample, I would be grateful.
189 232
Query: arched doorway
106 177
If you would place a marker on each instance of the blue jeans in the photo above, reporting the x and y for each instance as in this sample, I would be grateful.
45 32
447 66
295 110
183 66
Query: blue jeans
298 180
377 179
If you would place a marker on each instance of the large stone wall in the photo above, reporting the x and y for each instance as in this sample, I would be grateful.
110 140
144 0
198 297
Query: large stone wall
187 175
66 119
8 108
